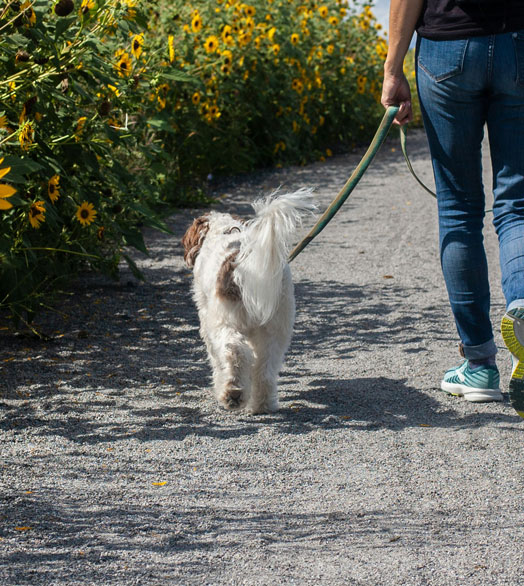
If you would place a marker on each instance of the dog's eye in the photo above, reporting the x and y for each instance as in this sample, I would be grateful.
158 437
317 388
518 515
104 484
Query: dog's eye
233 229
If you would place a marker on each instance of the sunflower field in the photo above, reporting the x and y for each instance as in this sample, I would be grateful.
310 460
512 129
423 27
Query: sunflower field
114 112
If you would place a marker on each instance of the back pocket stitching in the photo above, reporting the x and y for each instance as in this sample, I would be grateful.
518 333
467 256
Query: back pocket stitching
458 69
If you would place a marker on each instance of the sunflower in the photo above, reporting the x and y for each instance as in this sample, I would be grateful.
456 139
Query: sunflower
227 56
86 213
53 188
37 214
195 98
271 33
276 49
26 135
297 85
295 39
28 13
130 9
196 23
333 21
124 63
249 10
136 45
86 6
227 35
171 47
213 113
211 44
162 91
80 123
323 11
5 190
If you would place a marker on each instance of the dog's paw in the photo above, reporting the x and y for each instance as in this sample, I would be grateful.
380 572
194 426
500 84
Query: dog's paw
232 398
266 407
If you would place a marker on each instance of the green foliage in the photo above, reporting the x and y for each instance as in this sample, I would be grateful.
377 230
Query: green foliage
113 112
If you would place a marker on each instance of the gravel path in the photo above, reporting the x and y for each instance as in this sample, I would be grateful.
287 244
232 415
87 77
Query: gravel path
118 467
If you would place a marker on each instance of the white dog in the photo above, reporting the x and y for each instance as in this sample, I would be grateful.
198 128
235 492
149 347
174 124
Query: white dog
244 295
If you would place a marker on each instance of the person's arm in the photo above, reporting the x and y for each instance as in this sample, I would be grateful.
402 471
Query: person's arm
403 17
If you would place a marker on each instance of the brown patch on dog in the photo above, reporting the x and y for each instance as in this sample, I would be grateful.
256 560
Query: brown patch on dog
193 239
227 289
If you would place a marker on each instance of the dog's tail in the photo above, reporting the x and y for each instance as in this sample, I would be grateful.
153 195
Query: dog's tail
265 247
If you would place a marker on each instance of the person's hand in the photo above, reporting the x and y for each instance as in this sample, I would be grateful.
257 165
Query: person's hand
396 91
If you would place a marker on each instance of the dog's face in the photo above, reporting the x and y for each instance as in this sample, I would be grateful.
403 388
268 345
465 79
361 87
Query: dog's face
194 238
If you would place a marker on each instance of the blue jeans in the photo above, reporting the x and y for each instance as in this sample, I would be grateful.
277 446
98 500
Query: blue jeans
464 85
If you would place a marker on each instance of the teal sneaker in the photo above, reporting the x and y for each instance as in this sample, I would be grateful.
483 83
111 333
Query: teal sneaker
512 329
477 385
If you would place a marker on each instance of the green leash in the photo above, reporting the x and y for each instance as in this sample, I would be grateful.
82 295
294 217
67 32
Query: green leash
352 182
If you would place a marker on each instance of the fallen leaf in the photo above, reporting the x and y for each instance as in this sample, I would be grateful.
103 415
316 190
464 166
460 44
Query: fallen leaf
22 528
425 425
159 483
387 277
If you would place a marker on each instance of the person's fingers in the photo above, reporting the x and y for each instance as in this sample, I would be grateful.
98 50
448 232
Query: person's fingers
404 114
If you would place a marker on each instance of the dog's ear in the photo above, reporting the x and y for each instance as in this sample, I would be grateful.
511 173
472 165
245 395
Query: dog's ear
193 239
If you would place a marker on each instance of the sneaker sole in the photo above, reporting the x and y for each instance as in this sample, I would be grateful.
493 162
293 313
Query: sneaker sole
512 321
471 394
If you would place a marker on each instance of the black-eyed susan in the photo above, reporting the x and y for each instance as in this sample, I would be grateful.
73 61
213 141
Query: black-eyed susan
211 44
171 47
53 188
3 122
276 49
6 191
333 20
26 135
196 23
249 10
36 214
295 38
323 11
123 65
137 45
86 213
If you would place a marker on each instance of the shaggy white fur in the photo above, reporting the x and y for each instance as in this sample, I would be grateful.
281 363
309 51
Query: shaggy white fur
244 295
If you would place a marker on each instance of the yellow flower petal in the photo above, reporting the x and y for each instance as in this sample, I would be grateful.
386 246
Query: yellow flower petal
159 483
4 171
5 205
6 190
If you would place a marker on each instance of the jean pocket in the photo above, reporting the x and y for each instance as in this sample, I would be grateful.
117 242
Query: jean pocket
442 59
518 40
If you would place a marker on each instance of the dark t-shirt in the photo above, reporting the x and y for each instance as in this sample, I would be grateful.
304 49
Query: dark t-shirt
447 19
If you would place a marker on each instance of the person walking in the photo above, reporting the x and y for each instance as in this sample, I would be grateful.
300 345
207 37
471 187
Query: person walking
470 74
